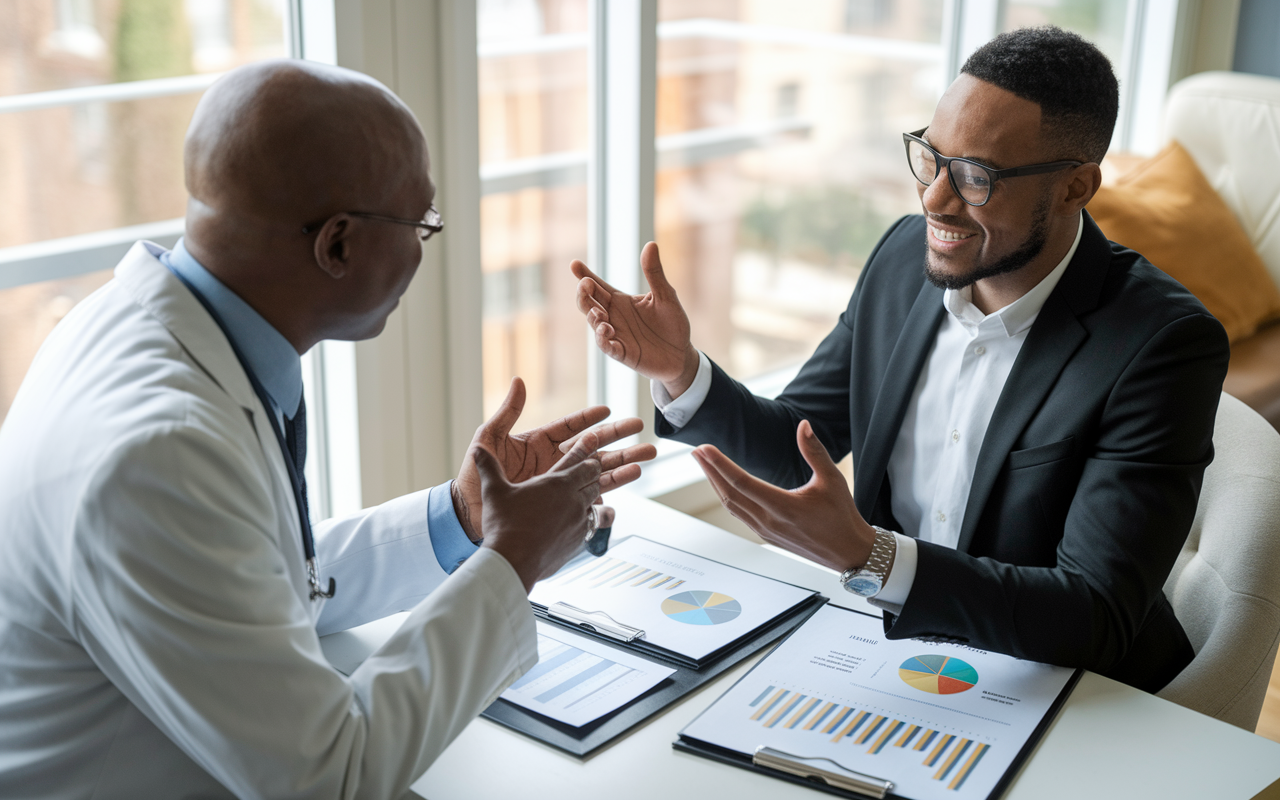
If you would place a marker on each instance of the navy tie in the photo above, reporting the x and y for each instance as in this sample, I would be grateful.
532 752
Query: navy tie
295 438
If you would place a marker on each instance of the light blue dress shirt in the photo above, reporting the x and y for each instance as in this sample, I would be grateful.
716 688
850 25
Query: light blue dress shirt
277 366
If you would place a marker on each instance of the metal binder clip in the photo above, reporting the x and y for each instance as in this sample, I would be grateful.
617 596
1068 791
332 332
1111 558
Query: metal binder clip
840 777
596 621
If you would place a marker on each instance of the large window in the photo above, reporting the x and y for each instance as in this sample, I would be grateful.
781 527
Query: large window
533 208
780 160
95 97
773 133
758 141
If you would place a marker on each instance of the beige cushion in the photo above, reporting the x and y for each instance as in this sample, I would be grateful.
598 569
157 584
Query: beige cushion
1225 587
1166 210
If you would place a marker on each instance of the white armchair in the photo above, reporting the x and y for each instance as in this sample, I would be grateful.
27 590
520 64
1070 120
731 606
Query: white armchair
1225 587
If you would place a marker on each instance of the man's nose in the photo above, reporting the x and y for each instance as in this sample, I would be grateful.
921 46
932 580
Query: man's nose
940 197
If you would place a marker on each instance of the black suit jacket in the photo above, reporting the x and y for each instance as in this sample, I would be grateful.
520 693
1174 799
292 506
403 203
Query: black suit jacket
1086 483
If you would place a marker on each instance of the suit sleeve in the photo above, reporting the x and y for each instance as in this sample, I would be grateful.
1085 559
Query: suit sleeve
1124 528
759 434
183 597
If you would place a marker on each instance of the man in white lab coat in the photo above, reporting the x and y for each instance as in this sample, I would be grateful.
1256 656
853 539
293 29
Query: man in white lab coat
161 600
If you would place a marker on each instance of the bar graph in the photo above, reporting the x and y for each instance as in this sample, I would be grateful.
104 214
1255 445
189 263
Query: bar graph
568 675
949 757
608 572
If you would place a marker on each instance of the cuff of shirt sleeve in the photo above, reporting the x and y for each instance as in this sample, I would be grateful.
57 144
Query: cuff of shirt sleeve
449 540
679 411
902 577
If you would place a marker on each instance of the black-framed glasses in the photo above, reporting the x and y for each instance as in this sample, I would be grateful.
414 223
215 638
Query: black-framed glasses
971 181
427 227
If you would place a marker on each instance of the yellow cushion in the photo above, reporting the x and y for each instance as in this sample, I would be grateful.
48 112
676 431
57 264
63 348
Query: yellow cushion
1165 209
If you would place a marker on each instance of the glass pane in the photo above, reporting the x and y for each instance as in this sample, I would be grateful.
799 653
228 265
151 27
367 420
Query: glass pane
533 212
91 167
1100 21
27 315
60 44
766 217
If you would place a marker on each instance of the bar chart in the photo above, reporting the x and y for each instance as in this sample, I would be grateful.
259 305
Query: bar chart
577 680
613 573
950 758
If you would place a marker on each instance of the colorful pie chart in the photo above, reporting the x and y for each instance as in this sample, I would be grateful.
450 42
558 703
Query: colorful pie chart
701 608
938 674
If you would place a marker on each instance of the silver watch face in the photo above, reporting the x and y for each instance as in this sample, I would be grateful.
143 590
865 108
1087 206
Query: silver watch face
864 584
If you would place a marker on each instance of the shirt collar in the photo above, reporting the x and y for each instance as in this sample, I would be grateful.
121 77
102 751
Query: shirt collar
271 359
1021 313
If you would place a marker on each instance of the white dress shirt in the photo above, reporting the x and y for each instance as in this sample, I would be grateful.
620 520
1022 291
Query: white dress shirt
934 457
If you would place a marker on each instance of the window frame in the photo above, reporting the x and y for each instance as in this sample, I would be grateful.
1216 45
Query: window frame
399 411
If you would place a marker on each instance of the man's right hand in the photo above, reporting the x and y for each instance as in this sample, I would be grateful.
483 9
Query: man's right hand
537 525
648 333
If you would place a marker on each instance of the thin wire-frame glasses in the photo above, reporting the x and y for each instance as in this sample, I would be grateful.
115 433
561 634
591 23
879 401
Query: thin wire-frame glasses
971 181
428 226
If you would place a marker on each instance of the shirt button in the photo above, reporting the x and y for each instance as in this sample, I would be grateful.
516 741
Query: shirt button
979 350
955 436
942 517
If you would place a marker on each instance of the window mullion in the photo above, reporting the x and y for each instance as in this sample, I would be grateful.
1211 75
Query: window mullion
623 89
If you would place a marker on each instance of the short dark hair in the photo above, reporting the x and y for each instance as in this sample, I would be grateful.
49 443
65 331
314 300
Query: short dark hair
1066 75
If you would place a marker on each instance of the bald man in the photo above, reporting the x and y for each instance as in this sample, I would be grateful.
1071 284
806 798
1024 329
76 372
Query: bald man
162 593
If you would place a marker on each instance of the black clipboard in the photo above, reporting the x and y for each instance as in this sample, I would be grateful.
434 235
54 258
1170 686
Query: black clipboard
689 675
744 761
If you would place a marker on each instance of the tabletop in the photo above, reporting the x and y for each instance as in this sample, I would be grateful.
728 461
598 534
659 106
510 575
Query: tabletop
1109 741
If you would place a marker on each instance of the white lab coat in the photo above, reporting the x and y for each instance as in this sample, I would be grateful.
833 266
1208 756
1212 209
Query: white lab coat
156 636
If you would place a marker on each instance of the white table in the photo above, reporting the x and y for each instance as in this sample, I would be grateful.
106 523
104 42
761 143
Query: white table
1110 741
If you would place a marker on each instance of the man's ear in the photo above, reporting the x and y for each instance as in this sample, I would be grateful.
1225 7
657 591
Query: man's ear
333 246
1082 184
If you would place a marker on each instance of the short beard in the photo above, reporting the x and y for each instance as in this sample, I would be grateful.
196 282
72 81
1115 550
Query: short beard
1024 255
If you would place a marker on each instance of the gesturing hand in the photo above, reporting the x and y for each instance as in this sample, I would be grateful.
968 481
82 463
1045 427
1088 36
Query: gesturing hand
818 520
648 333
539 524
525 455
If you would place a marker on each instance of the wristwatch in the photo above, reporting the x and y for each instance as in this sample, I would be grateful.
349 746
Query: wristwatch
868 579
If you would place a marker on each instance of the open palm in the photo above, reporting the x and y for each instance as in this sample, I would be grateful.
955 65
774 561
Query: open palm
648 333
534 452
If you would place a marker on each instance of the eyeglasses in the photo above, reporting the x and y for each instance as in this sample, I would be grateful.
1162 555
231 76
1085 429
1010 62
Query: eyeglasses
427 227
971 181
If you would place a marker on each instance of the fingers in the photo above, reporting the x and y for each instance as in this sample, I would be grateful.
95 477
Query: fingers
570 426
815 455
591 296
616 478
581 271
500 424
737 503
609 433
741 481
612 459
585 447
651 265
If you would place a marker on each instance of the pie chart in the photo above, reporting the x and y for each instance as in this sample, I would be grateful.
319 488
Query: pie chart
701 608
938 674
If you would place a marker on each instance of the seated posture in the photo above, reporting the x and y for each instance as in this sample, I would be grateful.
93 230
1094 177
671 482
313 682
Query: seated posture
1028 406
161 590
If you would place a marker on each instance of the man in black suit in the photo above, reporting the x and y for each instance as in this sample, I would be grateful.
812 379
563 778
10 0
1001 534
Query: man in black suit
1029 407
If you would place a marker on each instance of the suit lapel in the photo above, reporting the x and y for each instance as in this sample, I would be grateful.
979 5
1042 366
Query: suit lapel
901 375
1052 340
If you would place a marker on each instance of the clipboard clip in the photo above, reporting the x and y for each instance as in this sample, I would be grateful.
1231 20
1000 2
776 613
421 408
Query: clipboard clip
804 767
595 621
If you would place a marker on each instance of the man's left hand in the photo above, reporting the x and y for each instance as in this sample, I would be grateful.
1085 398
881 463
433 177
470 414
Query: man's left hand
818 520
525 455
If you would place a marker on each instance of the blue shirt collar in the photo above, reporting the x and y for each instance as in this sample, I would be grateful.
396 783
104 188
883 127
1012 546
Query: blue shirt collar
271 358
